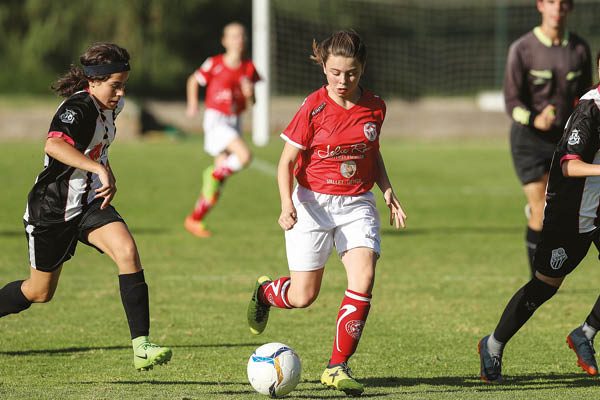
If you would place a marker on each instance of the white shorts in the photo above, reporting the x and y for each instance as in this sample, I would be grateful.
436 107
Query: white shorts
219 130
326 220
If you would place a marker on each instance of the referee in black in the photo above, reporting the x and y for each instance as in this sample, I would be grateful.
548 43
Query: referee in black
547 70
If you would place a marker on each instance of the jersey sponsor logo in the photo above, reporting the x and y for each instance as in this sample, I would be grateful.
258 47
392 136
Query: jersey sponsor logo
574 138
370 130
68 117
318 109
348 169
559 256
355 328
354 150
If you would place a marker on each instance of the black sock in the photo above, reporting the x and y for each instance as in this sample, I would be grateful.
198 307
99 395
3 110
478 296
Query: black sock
12 299
593 319
521 307
134 295
532 239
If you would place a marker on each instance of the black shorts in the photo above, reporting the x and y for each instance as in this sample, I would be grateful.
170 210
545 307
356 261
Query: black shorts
531 152
558 254
52 245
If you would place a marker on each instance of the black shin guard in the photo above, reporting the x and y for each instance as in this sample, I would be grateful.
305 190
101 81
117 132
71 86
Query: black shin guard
521 307
12 299
532 239
593 319
134 295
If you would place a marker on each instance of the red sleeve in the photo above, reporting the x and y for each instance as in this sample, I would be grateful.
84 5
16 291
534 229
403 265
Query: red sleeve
61 135
299 132
204 73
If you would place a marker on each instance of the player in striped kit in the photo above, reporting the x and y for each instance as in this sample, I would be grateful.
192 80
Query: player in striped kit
229 80
333 143
571 225
70 200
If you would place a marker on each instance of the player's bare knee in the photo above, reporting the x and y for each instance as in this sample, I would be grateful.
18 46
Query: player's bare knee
126 254
245 158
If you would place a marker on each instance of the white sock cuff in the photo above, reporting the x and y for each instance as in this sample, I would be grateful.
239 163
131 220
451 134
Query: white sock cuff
233 162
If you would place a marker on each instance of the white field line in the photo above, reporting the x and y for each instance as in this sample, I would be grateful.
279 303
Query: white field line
265 167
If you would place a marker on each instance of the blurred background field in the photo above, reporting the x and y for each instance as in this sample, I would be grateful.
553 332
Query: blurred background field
441 283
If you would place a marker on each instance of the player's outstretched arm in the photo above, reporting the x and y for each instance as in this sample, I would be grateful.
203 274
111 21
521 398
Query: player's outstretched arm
285 180
579 169
192 96
397 214
62 151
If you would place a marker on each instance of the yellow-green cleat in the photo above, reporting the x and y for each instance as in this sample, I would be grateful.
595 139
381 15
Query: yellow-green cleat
146 355
258 313
339 377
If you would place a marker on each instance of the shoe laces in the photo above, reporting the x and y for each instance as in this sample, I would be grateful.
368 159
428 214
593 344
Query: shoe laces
496 361
148 345
344 366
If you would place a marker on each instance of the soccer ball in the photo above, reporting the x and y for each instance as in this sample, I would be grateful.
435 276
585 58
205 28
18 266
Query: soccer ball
274 369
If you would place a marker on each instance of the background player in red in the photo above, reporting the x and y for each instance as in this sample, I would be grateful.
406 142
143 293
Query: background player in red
571 225
333 142
229 79
547 70
71 198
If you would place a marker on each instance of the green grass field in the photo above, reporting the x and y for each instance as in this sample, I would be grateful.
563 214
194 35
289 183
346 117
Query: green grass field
441 285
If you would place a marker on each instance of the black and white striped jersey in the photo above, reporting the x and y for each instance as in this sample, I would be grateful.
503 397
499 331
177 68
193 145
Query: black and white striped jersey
60 191
573 204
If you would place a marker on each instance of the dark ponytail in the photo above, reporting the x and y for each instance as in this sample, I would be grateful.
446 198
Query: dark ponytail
97 54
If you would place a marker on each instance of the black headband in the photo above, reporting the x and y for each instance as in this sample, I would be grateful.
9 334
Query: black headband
105 69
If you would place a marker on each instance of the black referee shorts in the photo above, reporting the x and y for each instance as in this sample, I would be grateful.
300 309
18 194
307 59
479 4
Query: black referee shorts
531 152
559 253
52 245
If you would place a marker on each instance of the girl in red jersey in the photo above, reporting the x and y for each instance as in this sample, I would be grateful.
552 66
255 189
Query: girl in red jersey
229 79
333 142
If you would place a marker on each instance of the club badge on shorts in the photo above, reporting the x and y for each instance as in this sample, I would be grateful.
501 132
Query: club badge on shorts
370 130
348 169
559 256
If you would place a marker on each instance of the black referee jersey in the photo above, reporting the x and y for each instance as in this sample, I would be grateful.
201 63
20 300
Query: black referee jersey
573 204
60 191
539 73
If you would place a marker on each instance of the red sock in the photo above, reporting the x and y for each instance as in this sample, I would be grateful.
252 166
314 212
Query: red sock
350 322
275 293
202 207
221 173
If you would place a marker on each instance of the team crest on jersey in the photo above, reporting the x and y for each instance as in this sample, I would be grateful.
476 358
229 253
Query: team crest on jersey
348 169
559 256
354 328
574 138
68 116
370 130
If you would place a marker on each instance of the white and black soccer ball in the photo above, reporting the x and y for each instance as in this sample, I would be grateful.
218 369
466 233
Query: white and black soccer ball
274 369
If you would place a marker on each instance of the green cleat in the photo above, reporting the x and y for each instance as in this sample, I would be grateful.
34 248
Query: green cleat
146 355
258 313
339 377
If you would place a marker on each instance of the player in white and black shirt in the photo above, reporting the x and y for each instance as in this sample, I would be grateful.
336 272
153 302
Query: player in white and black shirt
571 225
70 200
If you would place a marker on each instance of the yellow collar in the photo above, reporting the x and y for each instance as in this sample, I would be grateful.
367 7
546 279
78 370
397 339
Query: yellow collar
546 41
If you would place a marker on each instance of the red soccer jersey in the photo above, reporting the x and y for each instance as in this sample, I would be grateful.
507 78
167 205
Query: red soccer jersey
339 146
223 89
